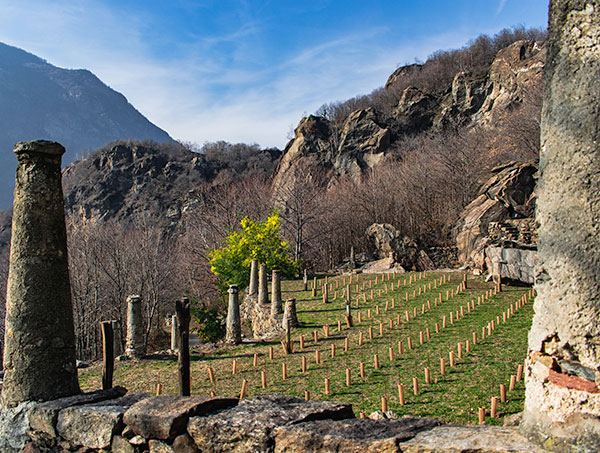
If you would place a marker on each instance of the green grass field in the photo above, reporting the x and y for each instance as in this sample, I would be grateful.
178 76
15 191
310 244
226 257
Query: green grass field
453 397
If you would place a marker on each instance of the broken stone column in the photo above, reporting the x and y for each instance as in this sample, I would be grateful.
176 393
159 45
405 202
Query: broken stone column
253 288
276 293
562 401
233 333
134 345
290 313
39 350
263 288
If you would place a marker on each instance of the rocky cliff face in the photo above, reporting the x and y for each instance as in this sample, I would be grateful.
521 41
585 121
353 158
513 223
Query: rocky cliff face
367 135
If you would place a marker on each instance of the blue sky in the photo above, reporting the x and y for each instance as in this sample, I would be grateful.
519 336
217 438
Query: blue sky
244 70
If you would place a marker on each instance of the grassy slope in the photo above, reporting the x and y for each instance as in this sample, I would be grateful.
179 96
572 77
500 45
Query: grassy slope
453 398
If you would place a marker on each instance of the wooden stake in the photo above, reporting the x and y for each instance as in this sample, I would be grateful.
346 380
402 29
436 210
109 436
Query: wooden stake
333 351
315 337
401 394
460 348
211 375
263 379
384 404
427 376
468 346
326 330
391 354
370 333
304 364
376 361
348 381
317 356
442 366
481 415
302 342
255 361
362 370
159 388
437 328
234 366
421 337
451 358
270 352
108 356
416 385
284 371
513 382
346 344
428 333
306 395
360 338
327 387
244 388
409 342
474 338
494 408
503 393
519 372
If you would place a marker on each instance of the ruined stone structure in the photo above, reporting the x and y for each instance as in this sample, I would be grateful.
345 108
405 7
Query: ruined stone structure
233 332
134 344
39 352
562 406
290 314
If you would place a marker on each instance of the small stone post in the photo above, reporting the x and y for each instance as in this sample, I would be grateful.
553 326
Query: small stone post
253 288
134 346
263 287
562 396
290 313
276 293
39 349
305 280
233 334
174 345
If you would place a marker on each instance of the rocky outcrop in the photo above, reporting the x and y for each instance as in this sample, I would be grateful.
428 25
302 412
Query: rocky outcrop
396 251
511 263
415 110
506 199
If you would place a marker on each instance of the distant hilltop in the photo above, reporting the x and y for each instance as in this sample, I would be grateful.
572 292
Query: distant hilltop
73 107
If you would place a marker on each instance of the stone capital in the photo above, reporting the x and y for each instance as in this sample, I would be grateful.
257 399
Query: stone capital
38 148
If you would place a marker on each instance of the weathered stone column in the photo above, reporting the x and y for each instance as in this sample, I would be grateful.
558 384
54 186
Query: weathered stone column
39 349
290 313
276 293
562 402
174 345
263 286
253 288
233 333
134 344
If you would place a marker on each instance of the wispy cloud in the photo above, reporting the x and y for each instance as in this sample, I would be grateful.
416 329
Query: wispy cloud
198 92
501 6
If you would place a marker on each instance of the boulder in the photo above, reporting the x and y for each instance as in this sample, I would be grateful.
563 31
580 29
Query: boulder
14 424
353 435
390 244
509 194
511 263
166 417
249 425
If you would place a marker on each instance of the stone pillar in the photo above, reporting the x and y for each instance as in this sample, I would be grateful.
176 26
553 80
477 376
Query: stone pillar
233 333
562 400
263 288
352 258
276 293
305 280
290 313
39 350
253 289
174 345
134 346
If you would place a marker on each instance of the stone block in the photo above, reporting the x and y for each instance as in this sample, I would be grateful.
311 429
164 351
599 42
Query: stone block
469 439
352 435
94 425
43 416
249 425
165 417
14 424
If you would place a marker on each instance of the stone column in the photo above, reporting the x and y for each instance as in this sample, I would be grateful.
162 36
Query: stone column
562 399
39 349
174 345
263 288
134 345
253 289
276 293
290 313
233 333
